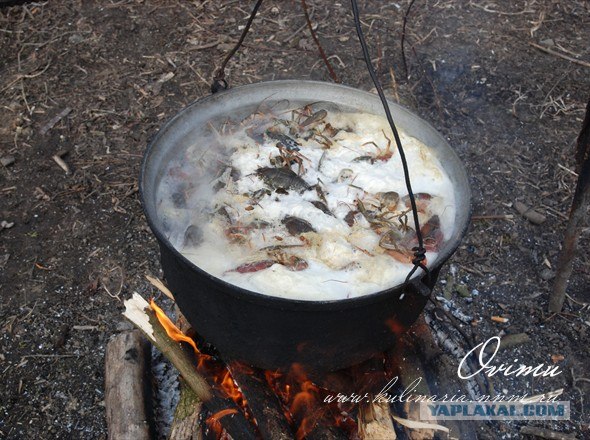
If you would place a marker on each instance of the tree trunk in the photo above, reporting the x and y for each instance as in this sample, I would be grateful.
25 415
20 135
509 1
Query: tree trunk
578 211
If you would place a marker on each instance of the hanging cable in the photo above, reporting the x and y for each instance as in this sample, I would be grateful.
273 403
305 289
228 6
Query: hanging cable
219 81
419 251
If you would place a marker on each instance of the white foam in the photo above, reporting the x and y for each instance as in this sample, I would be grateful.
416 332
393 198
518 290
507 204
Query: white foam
343 262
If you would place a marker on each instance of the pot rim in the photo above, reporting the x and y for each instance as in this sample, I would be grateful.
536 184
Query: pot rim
281 302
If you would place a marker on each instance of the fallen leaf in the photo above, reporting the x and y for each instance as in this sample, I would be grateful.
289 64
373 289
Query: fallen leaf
499 319
556 358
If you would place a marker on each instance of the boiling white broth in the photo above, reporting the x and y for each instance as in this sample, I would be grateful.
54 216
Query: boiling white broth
235 225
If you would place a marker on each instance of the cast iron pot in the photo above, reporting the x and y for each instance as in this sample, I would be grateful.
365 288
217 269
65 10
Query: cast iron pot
271 332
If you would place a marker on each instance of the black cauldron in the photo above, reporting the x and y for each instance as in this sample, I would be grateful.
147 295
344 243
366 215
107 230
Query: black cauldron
272 332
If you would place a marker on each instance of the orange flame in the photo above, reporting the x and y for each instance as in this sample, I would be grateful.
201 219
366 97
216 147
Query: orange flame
207 365
299 395
305 404
214 421
232 390
395 326
171 330
221 414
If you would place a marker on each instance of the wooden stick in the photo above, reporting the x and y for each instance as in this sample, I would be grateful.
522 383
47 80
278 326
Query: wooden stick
529 213
560 55
158 284
440 375
403 38
508 341
318 44
62 164
138 311
411 375
374 421
127 391
51 123
185 425
493 217
262 402
580 204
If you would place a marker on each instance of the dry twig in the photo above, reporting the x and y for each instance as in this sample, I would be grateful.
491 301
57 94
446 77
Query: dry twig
158 284
560 55
318 44
403 39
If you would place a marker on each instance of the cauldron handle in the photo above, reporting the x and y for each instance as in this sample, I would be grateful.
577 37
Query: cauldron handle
425 285
417 287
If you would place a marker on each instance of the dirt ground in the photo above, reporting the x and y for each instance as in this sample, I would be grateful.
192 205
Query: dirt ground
92 81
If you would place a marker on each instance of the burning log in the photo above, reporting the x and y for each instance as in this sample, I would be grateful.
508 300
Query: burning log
127 386
262 402
303 405
139 312
185 425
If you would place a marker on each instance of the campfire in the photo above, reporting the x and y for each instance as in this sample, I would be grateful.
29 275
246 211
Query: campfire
238 401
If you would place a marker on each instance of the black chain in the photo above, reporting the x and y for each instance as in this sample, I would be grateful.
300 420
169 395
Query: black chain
219 81
419 251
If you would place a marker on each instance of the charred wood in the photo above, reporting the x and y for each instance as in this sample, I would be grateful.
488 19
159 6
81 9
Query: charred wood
440 373
263 403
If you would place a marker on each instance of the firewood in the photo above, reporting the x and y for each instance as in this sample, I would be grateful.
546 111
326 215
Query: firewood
138 311
127 386
263 403
185 425
509 341
375 422
438 371
411 376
